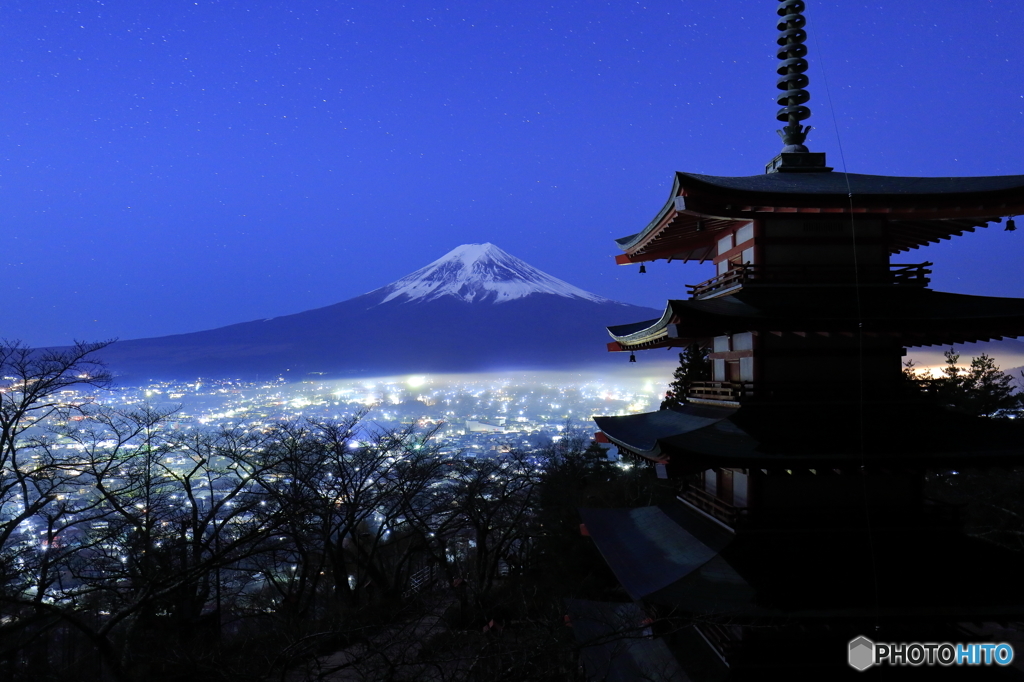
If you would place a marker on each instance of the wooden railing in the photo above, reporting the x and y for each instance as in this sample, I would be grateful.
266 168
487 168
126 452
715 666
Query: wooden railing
904 275
914 275
709 504
726 280
732 391
892 389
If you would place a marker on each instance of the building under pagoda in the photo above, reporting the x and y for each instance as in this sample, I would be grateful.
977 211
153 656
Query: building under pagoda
802 521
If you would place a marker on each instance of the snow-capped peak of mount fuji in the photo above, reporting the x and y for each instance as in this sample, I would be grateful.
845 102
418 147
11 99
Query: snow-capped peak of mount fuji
479 273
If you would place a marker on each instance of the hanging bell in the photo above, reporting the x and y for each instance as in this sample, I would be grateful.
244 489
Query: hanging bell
643 269
1010 226
632 358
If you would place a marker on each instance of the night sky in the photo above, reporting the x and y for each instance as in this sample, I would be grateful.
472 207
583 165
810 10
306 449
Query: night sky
171 166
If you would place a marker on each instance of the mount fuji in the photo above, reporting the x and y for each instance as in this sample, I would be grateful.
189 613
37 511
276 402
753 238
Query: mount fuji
480 273
477 308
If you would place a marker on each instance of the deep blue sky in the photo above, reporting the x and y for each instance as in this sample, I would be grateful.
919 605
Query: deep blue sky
171 165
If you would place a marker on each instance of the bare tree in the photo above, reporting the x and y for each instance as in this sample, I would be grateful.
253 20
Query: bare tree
342 512
161 523
35 476
32 389
476 521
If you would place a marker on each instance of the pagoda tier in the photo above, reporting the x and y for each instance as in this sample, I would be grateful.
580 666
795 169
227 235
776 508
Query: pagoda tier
813 435
799 296
912 316
913 211
759 595
667 555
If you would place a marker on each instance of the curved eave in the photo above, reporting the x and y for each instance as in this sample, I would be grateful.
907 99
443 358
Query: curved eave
642 332
642 434
682 325
629 243
661 333
675 233
653 455
919 211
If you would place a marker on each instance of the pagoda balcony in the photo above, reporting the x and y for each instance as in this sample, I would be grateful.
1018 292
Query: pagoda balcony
736 393
700 499
720 391
916 275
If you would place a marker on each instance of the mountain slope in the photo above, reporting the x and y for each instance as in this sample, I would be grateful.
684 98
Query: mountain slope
475 309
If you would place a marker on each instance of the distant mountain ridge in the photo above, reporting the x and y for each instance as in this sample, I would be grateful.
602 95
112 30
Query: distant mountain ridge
475 309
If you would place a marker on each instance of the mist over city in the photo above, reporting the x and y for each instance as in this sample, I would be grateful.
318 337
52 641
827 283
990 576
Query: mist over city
468 415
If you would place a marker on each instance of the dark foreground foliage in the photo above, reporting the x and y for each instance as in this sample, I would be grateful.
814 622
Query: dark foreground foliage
990 500
132 551
981 389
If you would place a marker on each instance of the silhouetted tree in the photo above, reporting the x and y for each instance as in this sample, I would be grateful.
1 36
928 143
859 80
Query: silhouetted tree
164 526
694 365
31 387
36 514
981 389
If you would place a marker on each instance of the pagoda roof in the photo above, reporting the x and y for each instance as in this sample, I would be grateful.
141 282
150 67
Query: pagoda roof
917 211
851 572
880 188
815 435
670 555
646 549
644 431
918 316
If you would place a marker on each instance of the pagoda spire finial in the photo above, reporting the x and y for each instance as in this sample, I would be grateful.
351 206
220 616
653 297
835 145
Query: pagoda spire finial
792 79
794 157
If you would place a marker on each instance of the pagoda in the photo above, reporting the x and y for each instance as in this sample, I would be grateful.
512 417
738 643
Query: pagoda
801 520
